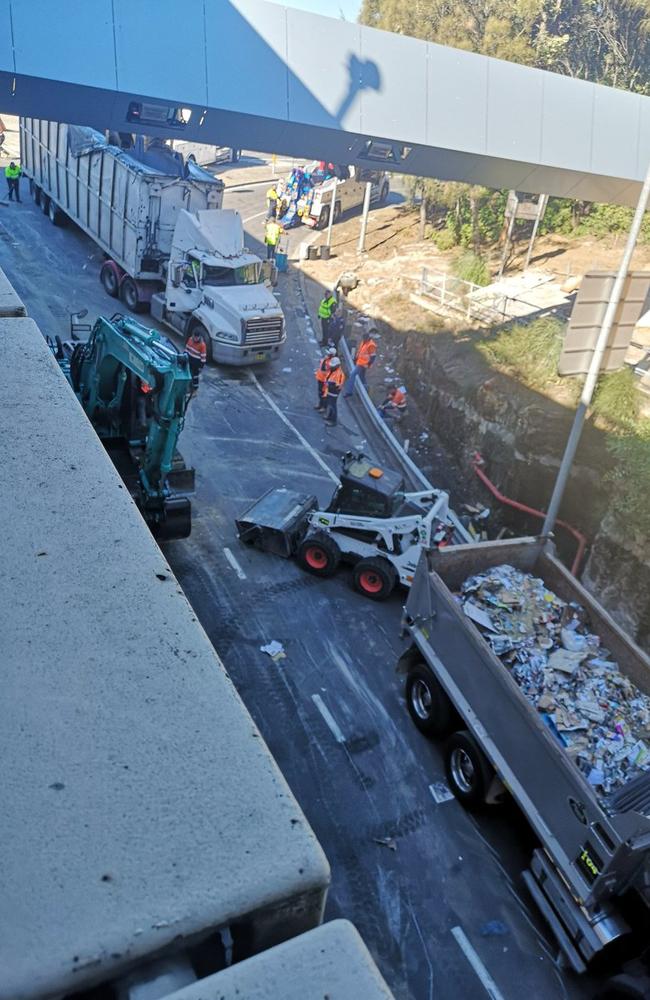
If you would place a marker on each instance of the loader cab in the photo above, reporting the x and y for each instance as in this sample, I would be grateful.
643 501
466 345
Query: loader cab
367 489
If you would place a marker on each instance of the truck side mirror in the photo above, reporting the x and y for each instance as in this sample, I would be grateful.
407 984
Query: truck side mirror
177 274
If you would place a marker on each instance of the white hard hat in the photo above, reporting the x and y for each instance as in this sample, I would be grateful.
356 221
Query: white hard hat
402 388
331 351
334 362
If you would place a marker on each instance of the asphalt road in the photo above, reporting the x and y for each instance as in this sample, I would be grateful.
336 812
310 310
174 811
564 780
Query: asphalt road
435 893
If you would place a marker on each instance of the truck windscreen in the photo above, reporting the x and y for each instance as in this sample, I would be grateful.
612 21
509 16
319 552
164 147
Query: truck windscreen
248 274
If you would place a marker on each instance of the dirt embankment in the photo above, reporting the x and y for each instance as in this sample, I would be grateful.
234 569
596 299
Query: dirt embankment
460 404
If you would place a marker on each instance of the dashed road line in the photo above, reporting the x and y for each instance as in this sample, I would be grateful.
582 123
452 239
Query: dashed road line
330 721
233 562
486 979
304 442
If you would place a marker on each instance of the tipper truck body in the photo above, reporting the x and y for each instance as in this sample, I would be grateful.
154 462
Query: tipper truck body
134 208
590 874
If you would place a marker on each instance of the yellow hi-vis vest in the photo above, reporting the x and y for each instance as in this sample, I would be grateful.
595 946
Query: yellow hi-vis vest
326 307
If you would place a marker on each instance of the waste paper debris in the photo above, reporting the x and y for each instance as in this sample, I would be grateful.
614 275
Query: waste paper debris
596 713
274 649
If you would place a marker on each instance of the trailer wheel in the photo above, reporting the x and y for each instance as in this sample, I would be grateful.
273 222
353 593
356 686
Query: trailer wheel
323 218
129 295
45 203
319 554
383 196
109 279
337 211
35 192
428 703
469 772
57 217
374 578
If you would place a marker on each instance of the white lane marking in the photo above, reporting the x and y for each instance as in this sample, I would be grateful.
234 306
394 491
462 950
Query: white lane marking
276 409
441 792
330 721
487 982
233 562
251 217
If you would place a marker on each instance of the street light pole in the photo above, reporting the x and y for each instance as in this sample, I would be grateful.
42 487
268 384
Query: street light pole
364 219
596 361
330 221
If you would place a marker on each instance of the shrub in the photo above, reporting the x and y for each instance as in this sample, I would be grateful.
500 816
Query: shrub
471 267
616 399
530 350
444 239
630 478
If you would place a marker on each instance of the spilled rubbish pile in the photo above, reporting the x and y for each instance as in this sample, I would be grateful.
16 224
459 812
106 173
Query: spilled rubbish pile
598 715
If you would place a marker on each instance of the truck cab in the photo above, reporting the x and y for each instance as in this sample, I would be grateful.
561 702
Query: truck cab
215 283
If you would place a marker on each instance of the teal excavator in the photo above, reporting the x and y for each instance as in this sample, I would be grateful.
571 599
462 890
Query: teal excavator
134 387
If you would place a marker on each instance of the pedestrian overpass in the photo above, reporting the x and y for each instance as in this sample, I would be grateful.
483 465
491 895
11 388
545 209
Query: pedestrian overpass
257 75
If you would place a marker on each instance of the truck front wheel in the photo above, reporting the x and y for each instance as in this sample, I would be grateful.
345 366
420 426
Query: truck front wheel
469 772
318 554
428 703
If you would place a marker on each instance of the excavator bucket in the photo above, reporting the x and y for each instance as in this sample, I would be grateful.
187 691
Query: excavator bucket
176 521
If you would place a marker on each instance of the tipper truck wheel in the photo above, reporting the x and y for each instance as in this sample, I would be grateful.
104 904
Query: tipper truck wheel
319 554
429 704
130 296
469 772
374 578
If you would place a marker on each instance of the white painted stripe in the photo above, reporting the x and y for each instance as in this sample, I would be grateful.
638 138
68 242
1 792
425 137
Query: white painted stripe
251 217
487 982
276 409
233 562
330 721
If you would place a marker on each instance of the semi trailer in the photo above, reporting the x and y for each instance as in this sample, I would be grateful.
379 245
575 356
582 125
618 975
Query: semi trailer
590 871
168 244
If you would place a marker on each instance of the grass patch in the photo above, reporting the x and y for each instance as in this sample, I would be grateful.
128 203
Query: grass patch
630 477
471 267
616 400
530 350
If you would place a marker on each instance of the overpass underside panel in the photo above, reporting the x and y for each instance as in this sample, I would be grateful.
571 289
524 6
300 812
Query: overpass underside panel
258 75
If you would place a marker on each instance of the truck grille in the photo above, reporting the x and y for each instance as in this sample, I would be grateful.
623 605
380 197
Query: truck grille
264 330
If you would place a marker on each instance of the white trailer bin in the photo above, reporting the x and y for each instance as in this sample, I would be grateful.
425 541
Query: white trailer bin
127 207
331 961
142 815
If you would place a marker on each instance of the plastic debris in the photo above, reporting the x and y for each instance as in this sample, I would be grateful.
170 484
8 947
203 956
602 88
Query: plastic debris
274 649
597 714
494 928
386 842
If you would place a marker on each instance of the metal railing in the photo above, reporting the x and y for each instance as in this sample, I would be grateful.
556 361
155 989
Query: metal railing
474 302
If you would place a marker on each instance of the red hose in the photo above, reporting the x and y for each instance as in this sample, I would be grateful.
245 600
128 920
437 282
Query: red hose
478 461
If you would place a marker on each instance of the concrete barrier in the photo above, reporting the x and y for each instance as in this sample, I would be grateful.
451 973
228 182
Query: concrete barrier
10 303
141 809
331 961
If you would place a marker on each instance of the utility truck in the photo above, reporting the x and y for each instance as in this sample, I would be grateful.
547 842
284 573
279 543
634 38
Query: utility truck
310 195
590 873
159 221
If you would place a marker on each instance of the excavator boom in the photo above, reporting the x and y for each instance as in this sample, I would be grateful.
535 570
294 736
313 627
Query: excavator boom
134 388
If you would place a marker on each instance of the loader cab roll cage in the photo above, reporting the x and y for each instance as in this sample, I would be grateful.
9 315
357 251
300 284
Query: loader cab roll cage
367 490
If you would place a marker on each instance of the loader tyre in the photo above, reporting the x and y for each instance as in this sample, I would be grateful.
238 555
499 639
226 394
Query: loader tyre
374 578
428 703
319 554
468 770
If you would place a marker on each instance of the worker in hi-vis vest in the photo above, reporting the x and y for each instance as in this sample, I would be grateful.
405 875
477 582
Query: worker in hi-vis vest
326 310
272 234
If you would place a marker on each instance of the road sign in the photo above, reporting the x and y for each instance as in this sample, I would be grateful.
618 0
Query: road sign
587 319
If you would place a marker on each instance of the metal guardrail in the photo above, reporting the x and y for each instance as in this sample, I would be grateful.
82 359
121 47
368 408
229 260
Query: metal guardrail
406 463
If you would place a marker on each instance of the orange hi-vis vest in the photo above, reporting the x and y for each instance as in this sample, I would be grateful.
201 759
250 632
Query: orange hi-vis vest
398 398
334 383
196 349
323 370
365 351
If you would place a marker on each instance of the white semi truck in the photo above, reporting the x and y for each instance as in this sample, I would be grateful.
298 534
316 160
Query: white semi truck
168 244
